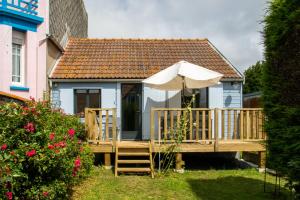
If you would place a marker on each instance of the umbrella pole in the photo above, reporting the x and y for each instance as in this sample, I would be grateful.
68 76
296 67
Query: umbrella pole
182 91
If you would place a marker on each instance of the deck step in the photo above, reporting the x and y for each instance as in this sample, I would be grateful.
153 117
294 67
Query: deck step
134 161
133 147
132 169
129 155
133 154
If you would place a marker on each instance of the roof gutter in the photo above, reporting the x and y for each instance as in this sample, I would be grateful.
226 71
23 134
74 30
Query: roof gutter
120 80
94 80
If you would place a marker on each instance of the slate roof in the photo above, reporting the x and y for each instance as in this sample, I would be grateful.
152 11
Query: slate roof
135 58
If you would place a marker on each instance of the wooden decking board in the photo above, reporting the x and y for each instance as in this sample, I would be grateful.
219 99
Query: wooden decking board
123 169
134 161
133 154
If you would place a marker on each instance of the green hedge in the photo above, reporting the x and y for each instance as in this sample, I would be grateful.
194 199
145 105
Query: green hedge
281 92
42 154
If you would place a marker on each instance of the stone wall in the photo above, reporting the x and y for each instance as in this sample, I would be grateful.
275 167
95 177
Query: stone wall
67 18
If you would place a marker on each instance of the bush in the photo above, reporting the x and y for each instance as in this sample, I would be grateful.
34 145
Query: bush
281 94
253 76
42 154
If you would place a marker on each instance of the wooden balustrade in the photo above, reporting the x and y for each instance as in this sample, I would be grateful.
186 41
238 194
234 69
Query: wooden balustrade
100 124
202 124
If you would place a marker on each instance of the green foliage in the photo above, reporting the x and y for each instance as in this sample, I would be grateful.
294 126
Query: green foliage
281 94
253 78
41 153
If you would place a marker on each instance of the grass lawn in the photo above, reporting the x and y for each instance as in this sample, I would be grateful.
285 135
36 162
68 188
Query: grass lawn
233 184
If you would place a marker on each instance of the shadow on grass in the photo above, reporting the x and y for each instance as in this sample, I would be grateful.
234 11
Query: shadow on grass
234 188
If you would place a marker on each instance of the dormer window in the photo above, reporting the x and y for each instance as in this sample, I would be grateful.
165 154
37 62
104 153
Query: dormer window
18 58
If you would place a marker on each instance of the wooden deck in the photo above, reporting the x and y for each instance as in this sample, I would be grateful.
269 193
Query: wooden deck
206 130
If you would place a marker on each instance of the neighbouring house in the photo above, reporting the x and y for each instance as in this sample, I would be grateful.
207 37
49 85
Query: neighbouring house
33 35
252 100
107 73
6 98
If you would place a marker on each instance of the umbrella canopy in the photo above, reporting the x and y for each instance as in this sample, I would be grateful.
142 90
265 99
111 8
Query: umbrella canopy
183 75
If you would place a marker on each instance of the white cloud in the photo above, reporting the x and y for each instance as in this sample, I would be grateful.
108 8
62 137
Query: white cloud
233 26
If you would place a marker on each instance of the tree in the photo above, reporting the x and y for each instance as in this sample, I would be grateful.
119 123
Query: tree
253 76
281 92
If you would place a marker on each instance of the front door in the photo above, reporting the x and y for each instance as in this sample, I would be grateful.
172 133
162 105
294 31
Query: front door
131 111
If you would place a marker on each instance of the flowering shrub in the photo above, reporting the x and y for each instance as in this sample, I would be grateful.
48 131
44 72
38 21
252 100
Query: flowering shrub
41 152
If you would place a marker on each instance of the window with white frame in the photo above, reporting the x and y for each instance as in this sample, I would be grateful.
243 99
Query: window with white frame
18 64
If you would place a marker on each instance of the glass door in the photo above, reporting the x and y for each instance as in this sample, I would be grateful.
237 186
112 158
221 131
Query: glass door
131 111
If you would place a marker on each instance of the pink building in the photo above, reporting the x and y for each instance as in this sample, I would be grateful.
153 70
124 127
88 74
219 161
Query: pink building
32 40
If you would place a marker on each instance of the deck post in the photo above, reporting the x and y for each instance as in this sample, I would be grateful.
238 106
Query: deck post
179 163
216 133
152 137
114 127
86 122
261 160
107 161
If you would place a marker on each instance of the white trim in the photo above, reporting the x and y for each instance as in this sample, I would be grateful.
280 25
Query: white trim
18 38
226 60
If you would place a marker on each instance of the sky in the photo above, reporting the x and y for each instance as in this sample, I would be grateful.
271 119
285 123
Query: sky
233 26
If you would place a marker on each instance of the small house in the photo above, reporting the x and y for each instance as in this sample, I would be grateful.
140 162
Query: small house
107 73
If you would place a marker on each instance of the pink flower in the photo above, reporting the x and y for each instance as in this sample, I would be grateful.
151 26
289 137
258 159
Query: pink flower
25 109
71 132
9 195
3 147
45 194
61 144
31 153
50 146
51 136
29 127
77 163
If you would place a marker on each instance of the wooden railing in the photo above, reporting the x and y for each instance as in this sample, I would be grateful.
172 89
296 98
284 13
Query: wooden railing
100 124
26 6
203 124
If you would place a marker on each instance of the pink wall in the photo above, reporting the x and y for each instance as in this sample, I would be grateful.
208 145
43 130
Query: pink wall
35 58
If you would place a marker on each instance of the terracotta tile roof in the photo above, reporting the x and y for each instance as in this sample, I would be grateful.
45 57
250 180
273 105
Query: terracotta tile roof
135 58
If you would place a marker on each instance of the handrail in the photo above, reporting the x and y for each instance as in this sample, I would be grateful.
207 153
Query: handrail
26 6
204 124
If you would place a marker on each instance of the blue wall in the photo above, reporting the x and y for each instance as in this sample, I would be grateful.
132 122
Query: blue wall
232 99
232 94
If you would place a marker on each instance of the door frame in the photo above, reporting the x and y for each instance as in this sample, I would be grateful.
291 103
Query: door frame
140 128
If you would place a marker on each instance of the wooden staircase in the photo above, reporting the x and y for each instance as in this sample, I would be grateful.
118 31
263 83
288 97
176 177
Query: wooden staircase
132 157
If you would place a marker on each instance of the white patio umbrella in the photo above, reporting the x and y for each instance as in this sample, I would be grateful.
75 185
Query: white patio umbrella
183 75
